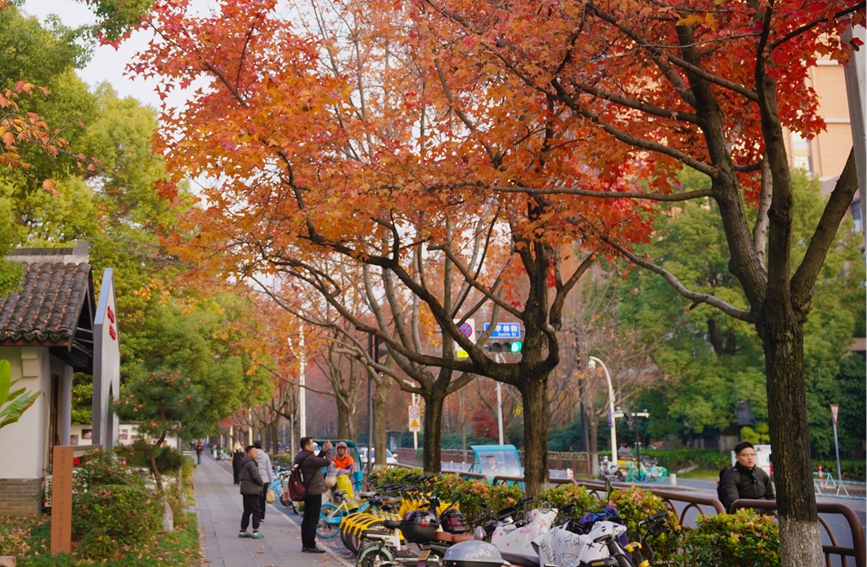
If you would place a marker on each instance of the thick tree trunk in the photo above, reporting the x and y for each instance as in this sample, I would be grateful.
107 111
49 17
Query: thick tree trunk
534 396
433 432
380 391
783 343
344 420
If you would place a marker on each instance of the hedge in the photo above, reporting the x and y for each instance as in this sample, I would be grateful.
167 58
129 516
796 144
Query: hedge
725 540
853 469
733 540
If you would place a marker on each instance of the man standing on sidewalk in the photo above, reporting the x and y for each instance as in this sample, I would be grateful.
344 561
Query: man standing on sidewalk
311 471
263 461
251 489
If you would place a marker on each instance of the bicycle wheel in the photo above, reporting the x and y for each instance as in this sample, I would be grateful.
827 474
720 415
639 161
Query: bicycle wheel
346 538
324 529
352 538
329 520
373 557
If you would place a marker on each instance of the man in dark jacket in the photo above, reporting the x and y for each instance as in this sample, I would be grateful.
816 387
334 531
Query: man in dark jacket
745 479
311 471
251 489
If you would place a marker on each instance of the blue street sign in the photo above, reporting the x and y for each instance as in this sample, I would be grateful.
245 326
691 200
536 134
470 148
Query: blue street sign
505 330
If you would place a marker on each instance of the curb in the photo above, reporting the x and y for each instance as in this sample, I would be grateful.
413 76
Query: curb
280 513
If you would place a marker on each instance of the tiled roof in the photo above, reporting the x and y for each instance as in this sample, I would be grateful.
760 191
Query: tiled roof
47 307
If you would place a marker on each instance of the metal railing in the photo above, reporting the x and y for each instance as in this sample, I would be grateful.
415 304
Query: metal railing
858 551
704 505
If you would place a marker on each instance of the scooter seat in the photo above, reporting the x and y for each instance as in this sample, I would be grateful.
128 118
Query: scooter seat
391 524
366 494
444 537
458 538
520 560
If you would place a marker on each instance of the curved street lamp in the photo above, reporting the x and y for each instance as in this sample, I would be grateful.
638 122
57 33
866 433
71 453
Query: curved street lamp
612 421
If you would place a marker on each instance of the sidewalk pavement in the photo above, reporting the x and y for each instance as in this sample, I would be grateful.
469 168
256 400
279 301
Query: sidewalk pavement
219 507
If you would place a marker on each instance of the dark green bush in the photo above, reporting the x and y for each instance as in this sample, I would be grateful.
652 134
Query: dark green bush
126 515
285 460
678 459
138 454
853 469
563 494
635 505
733 540
101 468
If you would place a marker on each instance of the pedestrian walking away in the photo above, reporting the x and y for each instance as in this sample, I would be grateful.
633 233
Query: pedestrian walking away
199 449
251 488
745 479
263 461
311 466
237 457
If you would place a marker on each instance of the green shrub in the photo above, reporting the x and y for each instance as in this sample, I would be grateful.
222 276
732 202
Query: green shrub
285 460
126 515
101 468
504 495
470 495
678 459
583 501
733 540
635 505
852 469
188 465
138 454
383 477
95 546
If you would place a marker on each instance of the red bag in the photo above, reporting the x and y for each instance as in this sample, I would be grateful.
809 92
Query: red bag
297 486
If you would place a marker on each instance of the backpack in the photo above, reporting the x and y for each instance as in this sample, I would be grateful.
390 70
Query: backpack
297 486
722 473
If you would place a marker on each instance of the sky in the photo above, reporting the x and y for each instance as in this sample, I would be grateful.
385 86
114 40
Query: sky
107 64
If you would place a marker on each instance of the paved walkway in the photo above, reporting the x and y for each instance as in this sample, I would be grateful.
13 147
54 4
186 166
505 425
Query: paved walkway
219 507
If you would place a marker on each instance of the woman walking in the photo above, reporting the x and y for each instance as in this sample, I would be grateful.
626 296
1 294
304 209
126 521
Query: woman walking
251 489
237 456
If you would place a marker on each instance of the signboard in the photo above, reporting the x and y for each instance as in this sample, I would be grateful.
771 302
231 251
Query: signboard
106 364
468 328
835 410
505 330
61 500
414 419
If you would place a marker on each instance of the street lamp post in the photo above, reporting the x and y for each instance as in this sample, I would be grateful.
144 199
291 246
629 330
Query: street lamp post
592 365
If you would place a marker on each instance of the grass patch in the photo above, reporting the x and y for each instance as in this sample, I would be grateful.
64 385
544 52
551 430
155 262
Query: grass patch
29 538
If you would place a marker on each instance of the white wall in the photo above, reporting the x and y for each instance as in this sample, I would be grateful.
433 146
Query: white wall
25 443
127 430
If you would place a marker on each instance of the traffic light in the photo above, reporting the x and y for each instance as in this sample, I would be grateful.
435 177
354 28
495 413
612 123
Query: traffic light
500 345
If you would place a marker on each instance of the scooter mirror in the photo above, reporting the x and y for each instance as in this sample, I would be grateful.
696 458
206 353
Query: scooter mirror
479 533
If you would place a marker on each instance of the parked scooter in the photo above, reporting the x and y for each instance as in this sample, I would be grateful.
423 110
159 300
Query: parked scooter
611 470
420 527
599 540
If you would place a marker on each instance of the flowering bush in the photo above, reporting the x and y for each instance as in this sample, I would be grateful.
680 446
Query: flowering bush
732 540
561 495
635 505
